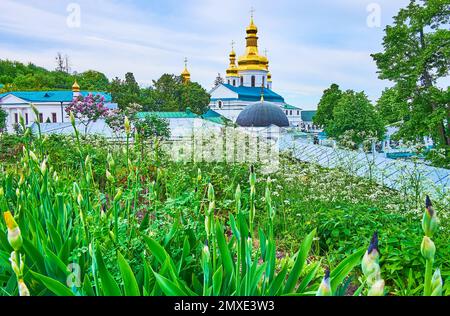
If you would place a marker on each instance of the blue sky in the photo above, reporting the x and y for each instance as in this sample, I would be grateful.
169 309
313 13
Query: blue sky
310 43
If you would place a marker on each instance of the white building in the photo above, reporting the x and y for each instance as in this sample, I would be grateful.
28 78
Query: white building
50 105
247 81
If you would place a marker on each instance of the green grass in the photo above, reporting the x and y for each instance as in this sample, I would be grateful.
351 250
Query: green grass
143 229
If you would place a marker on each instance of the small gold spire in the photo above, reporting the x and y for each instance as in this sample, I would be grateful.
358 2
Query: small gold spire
186 75
75 87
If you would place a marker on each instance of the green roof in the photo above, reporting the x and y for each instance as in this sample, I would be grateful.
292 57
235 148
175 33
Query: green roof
167 115
290 107
307 116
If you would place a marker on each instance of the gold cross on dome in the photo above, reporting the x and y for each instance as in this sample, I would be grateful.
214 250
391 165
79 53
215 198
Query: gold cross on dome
252 11
232 44
265 52
185 61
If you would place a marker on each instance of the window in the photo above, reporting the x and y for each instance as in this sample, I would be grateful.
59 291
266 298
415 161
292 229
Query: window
220 104
228 81
41 118
242 81
54 120
234 82
263 81
16 118
290 112
26 118
298 112
286 112
253 81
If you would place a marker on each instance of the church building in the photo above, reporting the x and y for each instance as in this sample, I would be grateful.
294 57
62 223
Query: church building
247 81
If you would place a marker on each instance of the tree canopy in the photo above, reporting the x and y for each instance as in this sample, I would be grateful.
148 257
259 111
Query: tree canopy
391 106
355 118
416 55
328 102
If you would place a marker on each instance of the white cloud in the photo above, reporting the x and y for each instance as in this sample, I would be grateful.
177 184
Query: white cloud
117 37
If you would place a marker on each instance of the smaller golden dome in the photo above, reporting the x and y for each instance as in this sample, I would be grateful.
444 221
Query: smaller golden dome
75 87
269 77
185 75
252 27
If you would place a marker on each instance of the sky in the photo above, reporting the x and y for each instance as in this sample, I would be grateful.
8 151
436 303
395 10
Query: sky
310 43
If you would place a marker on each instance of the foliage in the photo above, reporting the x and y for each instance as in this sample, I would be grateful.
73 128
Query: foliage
92 80
3 116
355 113
391 107
152 126
138 226
18 76
328 102
416 55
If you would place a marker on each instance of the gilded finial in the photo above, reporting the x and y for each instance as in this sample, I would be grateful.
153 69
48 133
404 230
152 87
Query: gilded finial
262 93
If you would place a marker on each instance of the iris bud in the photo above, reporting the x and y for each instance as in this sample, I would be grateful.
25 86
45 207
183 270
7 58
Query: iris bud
436 283
127 126
377 288
14 234
429 221
23 289
325 286
428 249
211 194
118 195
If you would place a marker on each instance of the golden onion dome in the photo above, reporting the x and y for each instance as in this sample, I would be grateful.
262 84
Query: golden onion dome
269 77
252 60
185 75
75 87
232 70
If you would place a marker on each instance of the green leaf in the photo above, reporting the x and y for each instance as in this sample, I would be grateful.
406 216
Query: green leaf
109 285
55 286
217 281
130 284
224 251
168 287
343 269
299 263
308 277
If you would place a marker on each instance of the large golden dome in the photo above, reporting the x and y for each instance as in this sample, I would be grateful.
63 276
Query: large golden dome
252 60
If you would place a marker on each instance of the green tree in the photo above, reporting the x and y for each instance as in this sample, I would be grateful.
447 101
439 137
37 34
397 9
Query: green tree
152 126
391 106
125 92
355 117
194 96
169 93
3 116
416 55
328 102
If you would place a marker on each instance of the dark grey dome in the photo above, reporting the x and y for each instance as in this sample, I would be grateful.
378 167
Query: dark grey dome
262 114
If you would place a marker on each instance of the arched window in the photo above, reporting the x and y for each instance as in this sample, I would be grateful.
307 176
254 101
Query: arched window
234 82
220 103
242 81
228 81
253 81
263 81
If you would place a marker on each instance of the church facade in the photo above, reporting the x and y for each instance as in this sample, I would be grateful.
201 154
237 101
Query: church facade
247 80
